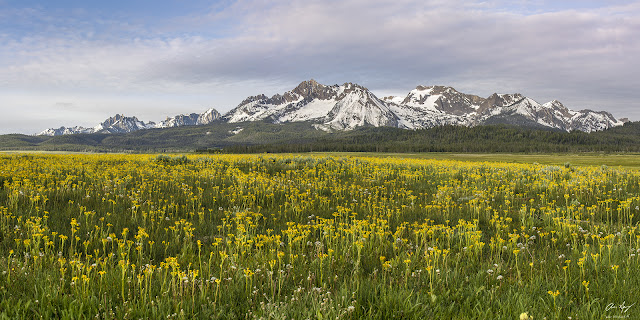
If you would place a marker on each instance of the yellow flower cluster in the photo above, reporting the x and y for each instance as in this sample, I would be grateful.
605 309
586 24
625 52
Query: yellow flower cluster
132 227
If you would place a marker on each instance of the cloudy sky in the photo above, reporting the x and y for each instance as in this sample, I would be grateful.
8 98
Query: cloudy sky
77 62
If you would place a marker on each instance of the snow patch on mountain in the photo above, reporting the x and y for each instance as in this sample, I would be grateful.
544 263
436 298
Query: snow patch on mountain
316 109
393 99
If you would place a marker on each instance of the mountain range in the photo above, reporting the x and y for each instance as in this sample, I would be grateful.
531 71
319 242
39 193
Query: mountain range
348 106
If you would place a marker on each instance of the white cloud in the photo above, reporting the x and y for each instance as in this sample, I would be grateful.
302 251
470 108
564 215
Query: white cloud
584 57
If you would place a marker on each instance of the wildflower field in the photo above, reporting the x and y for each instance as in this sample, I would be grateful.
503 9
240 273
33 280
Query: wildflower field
315 237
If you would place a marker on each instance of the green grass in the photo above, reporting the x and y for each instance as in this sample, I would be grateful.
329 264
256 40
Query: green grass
624 160
315 237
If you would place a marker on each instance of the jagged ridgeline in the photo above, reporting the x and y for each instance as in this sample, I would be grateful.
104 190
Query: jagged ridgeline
123 124
349 106
349 117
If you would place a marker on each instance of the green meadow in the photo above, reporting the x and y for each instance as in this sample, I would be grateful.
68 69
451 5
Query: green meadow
319 236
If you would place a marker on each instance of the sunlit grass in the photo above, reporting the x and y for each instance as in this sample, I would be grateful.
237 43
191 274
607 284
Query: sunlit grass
624 160
340 237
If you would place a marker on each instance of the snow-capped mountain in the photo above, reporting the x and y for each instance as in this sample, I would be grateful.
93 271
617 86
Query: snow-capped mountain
64 130
517 109
178 121
192 119
333 107
347 106
115 124
344 107
208 116
122 124
426 107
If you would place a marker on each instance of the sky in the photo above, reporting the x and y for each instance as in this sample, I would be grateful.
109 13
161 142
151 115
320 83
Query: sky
78 62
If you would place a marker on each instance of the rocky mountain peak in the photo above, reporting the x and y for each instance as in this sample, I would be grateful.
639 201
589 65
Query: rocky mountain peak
555 103
443 90
112 120
311 89
499 100
254 98
208 116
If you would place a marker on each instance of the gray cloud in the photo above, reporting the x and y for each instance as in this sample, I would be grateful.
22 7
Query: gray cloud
578 54
585 57
65 106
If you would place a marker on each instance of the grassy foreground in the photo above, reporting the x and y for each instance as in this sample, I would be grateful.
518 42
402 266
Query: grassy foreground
322 237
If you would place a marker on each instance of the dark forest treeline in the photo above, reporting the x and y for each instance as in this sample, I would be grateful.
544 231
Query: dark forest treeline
258 137
493 138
